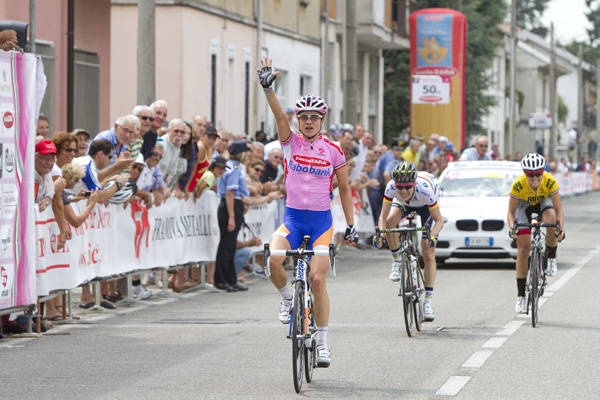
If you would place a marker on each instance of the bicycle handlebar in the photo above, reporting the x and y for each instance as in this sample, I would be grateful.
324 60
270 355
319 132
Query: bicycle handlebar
403 229
536 223
557 225
300 252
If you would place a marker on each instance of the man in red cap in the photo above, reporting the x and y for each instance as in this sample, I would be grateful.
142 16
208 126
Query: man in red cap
45 156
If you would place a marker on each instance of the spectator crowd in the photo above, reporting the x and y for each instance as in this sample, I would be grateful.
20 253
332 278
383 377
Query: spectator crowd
143 157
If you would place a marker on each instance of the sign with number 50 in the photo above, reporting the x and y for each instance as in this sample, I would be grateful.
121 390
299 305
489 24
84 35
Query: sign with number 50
430 89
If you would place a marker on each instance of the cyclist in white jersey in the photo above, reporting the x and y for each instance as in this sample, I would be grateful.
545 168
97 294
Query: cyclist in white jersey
406 192
311 161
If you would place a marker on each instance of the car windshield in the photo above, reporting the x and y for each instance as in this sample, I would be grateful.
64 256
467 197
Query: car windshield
477 183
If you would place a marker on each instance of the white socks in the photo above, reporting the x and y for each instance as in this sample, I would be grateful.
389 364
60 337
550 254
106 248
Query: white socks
321 336
285 292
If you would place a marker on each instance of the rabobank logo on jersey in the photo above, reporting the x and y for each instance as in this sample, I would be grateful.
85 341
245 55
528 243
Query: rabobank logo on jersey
307 165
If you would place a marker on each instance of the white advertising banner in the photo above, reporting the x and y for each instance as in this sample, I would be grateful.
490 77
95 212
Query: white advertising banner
337 212
430 89
262 220
115 240
20 85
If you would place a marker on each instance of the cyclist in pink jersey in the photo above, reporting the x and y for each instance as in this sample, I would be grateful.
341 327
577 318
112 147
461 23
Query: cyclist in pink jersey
311 161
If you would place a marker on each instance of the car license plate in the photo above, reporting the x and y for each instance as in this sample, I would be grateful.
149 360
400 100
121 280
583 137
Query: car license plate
479 241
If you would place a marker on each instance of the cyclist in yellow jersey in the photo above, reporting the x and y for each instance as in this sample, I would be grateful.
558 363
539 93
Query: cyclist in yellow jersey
535 191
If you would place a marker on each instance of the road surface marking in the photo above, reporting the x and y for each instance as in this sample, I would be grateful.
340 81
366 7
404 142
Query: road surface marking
494 343
453 385
510 328
477 359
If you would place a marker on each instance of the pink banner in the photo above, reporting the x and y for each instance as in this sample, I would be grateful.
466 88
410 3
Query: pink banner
18 94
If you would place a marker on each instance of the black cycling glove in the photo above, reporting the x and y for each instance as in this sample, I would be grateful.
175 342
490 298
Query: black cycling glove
266 77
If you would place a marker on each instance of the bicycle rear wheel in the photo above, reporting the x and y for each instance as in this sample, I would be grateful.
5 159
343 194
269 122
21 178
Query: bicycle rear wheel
406 291
298 336
534 269
419 297
310 353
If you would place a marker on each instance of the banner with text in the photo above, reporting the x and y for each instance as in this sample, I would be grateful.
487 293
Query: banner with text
21 82
115 240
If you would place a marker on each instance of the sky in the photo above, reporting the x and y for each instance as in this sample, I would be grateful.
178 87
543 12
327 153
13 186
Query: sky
570 22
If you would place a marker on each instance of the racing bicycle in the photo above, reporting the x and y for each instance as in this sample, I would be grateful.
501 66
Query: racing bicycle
536 276
412 286
303 326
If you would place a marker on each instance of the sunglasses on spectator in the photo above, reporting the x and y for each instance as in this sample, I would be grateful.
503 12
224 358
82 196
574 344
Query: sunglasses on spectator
534 174
259 170
482 145
70 150
138 167
146 118
155 154
312 117
405 187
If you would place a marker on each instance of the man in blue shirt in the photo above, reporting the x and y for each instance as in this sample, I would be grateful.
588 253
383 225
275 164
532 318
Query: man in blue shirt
232 188
120 135
478 152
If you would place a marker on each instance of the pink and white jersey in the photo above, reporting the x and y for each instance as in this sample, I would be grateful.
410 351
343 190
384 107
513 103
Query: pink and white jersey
425 194
309 170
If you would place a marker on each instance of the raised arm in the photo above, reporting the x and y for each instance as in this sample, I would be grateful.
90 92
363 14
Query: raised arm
266 77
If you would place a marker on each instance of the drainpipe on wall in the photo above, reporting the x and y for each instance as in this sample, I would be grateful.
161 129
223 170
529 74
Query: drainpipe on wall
146 53
70 63
258 98
32 26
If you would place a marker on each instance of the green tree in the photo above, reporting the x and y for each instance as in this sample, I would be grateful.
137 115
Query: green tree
396 104
562 111
529 13
483 39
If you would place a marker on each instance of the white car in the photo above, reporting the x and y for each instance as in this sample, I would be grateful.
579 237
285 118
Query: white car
474 204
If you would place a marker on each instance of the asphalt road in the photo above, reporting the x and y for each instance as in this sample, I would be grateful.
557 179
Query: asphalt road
231 346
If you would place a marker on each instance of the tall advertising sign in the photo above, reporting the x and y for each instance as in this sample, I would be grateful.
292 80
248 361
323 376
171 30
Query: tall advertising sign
437 72
18 95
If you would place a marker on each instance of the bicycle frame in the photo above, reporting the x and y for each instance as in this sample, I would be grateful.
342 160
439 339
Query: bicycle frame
536 279
302 272
411 287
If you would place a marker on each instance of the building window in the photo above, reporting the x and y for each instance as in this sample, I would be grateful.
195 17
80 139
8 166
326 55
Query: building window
305 85
46 51
86 104
213 88
247 98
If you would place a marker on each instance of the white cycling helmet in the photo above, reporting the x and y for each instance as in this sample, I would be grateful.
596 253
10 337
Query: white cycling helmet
533 162
122 195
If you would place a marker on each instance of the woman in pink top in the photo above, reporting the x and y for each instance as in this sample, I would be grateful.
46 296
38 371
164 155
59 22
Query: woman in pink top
311 161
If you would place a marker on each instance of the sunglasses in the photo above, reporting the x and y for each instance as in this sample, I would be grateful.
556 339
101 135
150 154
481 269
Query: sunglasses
138 167
70 150
146 118
259 170
155 154
405 187
483 145
534 174
312 117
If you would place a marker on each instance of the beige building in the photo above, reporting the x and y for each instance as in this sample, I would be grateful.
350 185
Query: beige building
206 52
90 75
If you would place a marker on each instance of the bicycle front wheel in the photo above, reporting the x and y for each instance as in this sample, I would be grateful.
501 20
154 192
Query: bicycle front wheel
407 293
419 297
534 288
298 336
